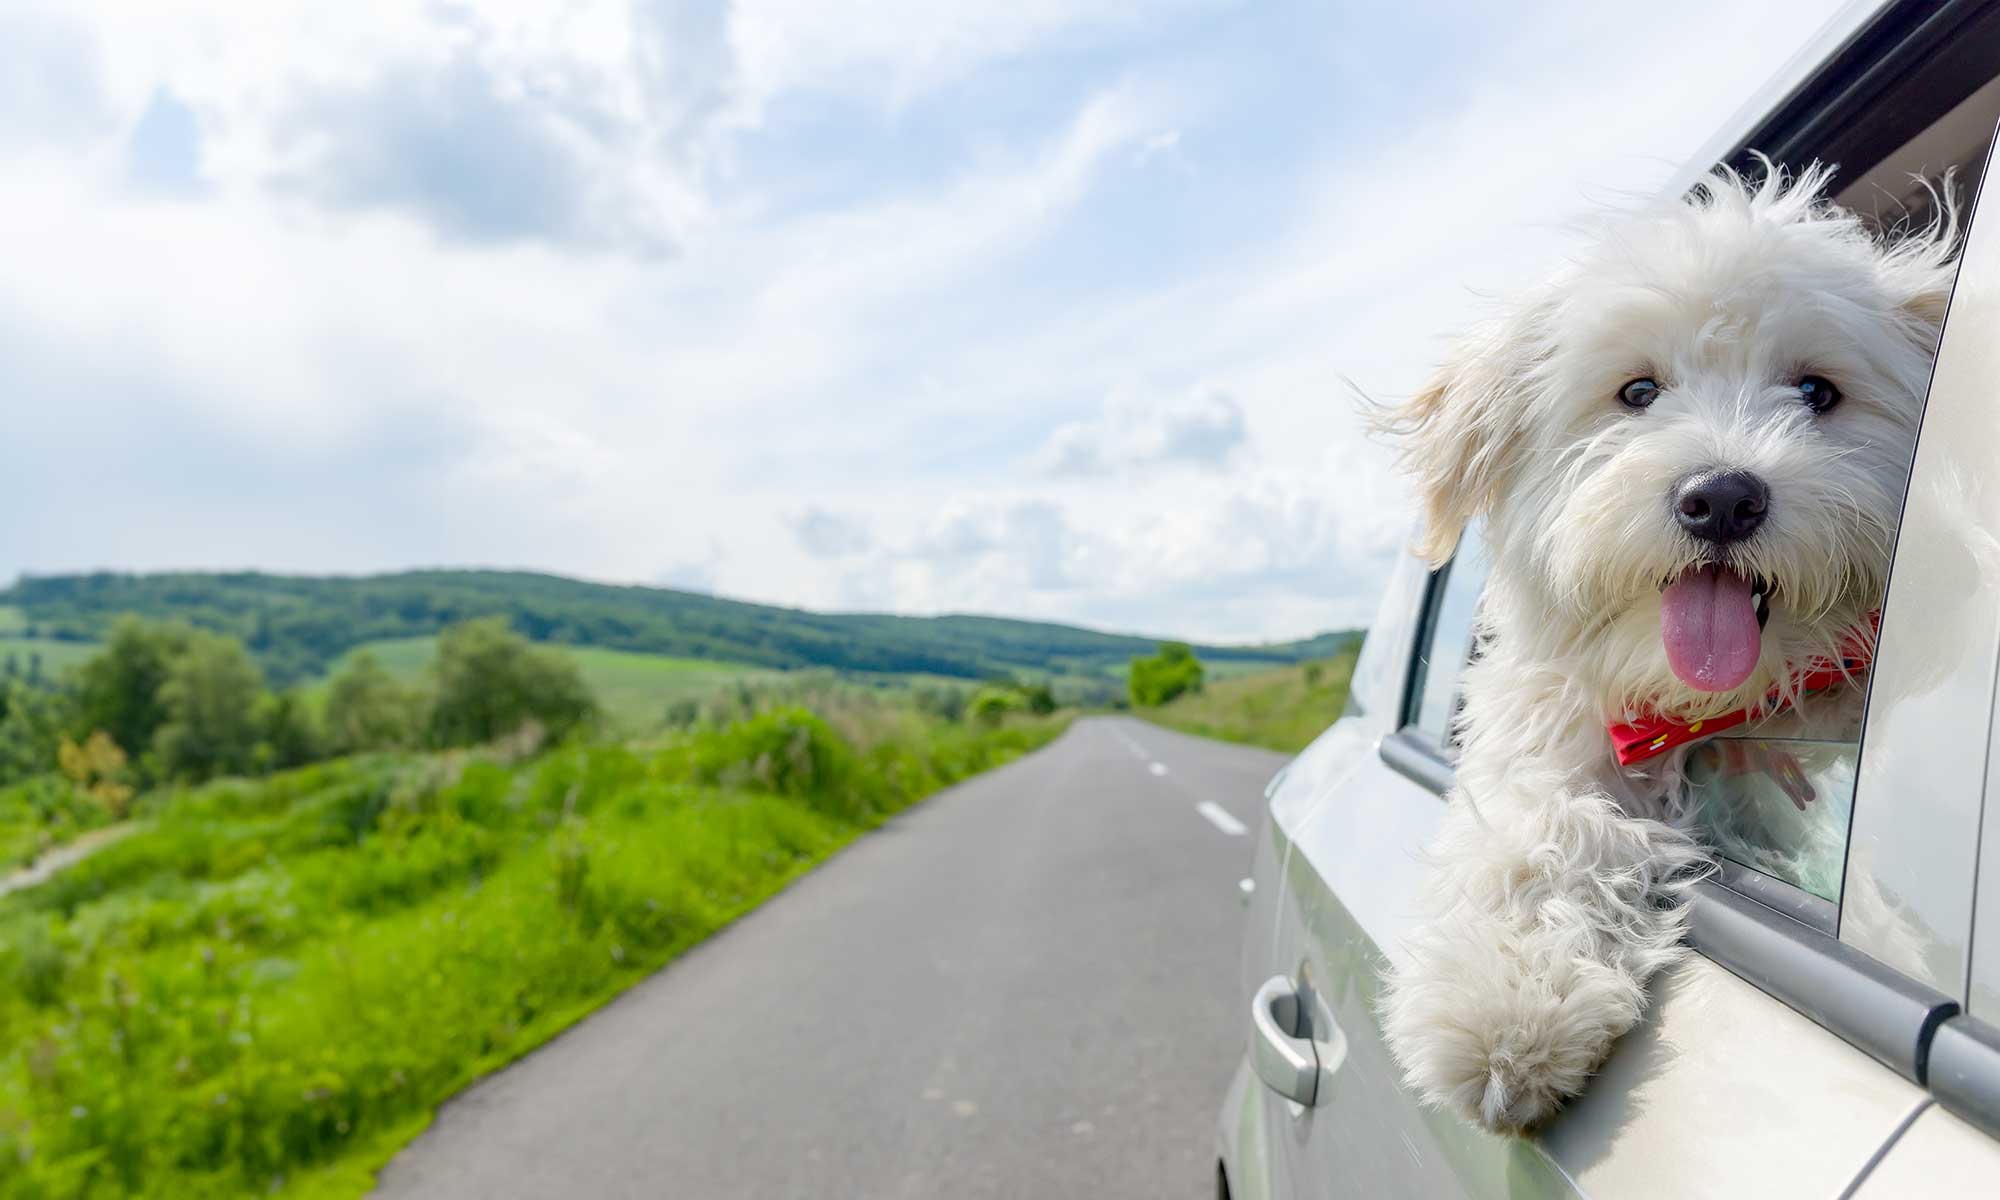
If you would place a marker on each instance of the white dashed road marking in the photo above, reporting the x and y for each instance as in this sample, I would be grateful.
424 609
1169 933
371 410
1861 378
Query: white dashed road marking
1158 768
1219 817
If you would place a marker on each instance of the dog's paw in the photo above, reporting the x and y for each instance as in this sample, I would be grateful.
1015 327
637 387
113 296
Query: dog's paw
1496 1037
1503 1080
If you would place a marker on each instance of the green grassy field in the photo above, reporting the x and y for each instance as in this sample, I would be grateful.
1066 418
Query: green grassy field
635 689
270 985
1282 709
56 657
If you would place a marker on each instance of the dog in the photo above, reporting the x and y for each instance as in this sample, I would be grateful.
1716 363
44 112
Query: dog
1688 452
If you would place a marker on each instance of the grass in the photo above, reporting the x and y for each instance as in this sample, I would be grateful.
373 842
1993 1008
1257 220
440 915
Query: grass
271 984
41 813
635 689
1281 709
56 656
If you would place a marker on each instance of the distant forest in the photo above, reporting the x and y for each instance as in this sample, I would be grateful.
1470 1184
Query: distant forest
297 626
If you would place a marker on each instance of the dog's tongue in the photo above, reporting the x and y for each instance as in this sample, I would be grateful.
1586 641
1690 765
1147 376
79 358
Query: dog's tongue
1708 620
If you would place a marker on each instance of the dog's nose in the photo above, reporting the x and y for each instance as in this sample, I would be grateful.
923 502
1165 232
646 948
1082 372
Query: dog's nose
1721 506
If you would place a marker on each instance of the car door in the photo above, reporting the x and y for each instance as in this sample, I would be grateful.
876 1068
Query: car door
1789 1053
1743 1079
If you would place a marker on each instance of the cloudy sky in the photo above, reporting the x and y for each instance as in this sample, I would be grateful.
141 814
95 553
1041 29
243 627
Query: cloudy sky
1031 307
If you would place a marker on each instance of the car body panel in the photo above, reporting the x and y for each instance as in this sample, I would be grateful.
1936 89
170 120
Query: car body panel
1718 1075
1723 1091
1939 1155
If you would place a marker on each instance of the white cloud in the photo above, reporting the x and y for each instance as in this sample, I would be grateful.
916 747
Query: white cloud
824 534
893 51
1201 428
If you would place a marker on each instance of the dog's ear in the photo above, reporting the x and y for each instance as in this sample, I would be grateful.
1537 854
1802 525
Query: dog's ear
1462 434
1919 264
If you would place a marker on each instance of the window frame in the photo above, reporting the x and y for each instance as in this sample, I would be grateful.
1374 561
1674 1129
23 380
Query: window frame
1409 749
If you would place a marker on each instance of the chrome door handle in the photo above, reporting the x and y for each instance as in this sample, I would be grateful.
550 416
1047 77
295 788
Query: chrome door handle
1288 1063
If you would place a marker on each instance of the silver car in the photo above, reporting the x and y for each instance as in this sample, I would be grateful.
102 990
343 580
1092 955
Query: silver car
1837 1032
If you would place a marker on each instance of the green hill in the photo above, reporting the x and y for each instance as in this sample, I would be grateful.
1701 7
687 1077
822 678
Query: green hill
298 626
1282 708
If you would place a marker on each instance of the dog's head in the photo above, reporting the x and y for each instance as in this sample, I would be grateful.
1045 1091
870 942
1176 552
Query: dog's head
1691 446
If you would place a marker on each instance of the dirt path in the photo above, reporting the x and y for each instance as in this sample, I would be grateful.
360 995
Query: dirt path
66 855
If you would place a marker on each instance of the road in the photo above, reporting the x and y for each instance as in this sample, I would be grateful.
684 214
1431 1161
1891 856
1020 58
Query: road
1022 987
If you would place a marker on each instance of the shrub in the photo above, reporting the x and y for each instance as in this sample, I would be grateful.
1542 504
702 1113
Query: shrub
1170 673
366 709
209 700
993 704
97 769
118 689
491 681
786 751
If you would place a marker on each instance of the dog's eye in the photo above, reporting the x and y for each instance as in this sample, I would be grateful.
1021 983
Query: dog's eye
1818 392
1641 392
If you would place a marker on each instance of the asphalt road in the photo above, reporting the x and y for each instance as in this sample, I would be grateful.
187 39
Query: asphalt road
1022 987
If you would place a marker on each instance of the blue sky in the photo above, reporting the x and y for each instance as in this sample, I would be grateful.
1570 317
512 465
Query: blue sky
1015 306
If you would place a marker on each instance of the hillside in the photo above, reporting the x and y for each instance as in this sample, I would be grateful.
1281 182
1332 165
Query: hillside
1281 708
298 626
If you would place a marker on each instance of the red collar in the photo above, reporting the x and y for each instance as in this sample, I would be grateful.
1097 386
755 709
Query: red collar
1648 735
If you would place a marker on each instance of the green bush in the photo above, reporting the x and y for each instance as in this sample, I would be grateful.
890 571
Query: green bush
119 689
489 682
1172 672
787 751
366 709
991 705
209 705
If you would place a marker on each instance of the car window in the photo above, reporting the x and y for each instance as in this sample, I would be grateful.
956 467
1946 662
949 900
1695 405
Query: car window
1782 806
1448 637
1779 806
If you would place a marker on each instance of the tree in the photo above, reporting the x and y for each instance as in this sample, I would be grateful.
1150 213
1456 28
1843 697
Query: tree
32 725
210 700
118 689
287 735
1039 698
366 709
1171 672
993 704
491 681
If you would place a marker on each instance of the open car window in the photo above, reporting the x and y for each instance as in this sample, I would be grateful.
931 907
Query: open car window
1779 807
1448 635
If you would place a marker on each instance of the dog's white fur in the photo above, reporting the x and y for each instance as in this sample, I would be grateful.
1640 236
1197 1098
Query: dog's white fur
1557 872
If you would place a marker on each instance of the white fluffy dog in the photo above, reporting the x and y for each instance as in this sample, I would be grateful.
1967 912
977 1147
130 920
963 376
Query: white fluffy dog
1690 450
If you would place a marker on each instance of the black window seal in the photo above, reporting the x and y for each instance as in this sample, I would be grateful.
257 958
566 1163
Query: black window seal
1418 669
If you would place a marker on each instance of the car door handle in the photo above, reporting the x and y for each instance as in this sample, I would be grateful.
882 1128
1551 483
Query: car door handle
1288 1063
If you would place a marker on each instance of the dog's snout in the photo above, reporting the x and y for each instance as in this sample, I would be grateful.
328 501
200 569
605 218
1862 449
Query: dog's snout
1721 506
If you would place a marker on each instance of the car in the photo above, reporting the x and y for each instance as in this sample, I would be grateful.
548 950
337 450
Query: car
1836 1029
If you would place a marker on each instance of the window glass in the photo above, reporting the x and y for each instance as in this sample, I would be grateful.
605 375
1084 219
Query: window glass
1777 805
1448 640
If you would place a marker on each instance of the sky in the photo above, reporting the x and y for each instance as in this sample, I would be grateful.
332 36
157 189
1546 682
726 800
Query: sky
1041 308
